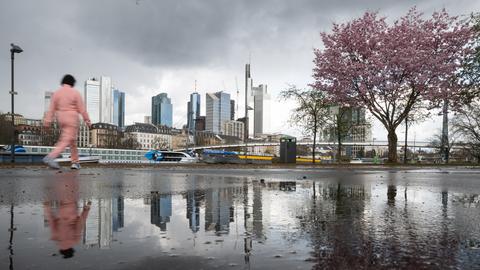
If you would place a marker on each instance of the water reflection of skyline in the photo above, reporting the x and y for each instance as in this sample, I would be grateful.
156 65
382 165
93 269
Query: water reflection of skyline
106 218
352 227
342 224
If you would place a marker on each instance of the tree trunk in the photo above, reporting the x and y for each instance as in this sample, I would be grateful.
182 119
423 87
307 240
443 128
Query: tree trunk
392 146
339 140
445 140
314 145
339 148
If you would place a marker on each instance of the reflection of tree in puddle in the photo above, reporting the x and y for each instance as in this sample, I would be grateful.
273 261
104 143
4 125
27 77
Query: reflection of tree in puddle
467 200
391 194
348 231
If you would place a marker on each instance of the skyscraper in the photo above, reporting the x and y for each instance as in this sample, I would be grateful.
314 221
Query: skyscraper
218 111
99 100
162 110
48 98
193 110
106 100
248 89
92 99
261 109
257 106
118 108
232 109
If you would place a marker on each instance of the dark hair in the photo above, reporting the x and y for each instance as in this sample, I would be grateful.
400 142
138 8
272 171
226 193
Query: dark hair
67 253
68 79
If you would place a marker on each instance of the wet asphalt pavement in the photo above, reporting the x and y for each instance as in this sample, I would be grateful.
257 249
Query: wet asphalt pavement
214 218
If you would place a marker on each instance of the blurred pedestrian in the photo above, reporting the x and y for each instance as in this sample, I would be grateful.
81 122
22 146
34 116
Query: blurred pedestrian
66 104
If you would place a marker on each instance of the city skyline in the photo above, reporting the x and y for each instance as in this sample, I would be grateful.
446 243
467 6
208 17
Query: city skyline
280 53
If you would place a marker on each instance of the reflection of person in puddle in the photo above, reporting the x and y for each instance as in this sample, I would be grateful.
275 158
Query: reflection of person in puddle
65 223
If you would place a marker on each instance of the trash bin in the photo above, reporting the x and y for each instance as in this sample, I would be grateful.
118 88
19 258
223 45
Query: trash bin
288 150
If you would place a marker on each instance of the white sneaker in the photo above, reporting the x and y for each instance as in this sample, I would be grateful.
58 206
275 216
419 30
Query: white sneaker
50 162
75 166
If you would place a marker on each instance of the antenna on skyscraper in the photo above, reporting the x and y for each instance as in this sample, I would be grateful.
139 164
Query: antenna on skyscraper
195 85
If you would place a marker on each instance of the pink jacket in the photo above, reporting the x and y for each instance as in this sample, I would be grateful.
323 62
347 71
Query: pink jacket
67 226
66 99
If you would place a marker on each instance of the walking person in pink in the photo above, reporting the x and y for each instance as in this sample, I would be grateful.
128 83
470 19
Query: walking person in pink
66 105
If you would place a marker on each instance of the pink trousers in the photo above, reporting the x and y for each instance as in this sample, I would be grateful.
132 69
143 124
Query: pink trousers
68 121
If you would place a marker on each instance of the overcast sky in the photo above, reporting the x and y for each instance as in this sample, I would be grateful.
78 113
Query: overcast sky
153 46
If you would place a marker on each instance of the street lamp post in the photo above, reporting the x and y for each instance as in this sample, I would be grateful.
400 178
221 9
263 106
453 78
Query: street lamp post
14 49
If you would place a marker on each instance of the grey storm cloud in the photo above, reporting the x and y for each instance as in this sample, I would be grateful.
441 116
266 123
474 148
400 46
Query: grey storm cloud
169 33
192 32
134 41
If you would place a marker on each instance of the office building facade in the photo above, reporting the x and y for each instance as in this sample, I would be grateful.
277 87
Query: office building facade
47 100
200 123
233 128
98 99
118 108
91 97
359 130
193 110
232 109
147 119
148 136
106 100
261 110
218 111
257 108
162 110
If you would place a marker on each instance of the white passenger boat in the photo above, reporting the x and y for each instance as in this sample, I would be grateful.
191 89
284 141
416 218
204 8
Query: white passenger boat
81 159
170 157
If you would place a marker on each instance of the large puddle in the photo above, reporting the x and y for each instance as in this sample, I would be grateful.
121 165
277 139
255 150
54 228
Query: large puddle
139 219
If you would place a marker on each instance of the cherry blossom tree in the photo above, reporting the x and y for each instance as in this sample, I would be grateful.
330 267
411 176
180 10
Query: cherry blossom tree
471 72
391 68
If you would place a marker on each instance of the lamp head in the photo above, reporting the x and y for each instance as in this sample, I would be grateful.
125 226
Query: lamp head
15 49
